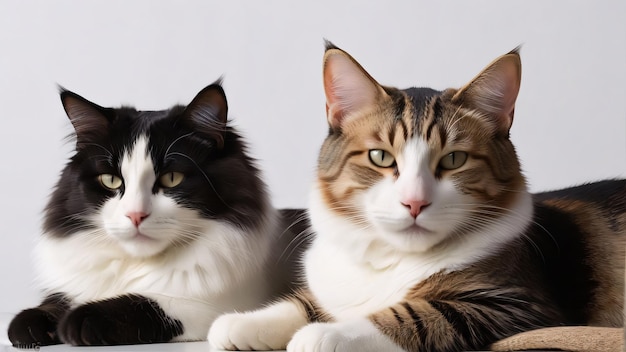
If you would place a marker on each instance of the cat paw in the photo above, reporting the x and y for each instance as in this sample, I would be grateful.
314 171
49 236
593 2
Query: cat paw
84 326
352 336
121 321
265 329
32 328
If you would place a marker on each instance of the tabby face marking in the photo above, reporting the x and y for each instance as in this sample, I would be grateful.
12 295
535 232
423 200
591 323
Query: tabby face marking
418 203
454 169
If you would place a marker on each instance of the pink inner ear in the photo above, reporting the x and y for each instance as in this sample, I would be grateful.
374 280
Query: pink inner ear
348 87
510 76
495 90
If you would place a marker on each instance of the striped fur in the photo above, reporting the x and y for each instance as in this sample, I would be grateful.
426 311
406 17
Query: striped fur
443 249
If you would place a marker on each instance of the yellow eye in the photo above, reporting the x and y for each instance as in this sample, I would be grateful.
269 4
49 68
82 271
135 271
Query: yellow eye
171 179
109 181
382 158
453 160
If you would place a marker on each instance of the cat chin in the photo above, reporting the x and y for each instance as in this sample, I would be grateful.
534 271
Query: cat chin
138 244
413 240
142 246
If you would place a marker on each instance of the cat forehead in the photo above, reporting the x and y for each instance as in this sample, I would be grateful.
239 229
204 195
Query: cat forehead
421 97
143 120
132 124
408 109
135 129
154 115
416 113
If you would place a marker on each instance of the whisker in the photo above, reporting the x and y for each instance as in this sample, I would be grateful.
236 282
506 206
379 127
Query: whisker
206 177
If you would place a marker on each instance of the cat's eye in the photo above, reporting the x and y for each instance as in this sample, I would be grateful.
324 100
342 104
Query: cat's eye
109 181
382 158
453 160
171 179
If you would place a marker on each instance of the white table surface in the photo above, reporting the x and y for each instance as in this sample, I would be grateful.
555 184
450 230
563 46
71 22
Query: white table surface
170 347
5 344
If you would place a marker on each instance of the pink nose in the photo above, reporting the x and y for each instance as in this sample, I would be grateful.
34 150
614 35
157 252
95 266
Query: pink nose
137 217
415 206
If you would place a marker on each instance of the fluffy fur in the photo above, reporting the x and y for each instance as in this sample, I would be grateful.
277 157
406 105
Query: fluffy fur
426 238
159 223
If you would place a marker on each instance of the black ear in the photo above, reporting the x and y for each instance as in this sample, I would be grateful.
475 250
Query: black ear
349 89
90 120
208 112
494 90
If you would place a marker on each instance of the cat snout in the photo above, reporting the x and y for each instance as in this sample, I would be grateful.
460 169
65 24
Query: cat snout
415 206
137 217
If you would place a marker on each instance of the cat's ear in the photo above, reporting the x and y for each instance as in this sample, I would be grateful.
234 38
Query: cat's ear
495 89
348 87
90 120
208 112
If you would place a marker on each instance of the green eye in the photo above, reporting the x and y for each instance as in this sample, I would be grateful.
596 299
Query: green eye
453 160
381 158
109 181
171 179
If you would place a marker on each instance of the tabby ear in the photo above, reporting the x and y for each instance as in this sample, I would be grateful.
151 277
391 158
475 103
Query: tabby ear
90 120
348 87
495 90
208 112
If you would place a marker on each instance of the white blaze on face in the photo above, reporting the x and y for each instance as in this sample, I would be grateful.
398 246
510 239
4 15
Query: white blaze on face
416 180
120 213
139 178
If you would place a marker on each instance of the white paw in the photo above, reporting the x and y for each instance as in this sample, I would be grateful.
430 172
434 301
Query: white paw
356 335
265 329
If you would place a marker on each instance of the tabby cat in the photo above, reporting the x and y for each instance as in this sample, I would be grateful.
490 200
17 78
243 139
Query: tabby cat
159 223
426 238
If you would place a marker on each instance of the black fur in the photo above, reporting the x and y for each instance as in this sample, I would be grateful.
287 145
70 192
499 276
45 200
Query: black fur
130 319
221 182
567 276
220 179
36 327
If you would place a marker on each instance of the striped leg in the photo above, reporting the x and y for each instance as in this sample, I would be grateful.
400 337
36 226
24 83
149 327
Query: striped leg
472 321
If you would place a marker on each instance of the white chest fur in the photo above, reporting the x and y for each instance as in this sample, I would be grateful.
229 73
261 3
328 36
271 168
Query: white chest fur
193 284
353 272
87 271
348 289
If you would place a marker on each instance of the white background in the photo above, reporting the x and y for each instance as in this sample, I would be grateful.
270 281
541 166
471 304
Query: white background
570 121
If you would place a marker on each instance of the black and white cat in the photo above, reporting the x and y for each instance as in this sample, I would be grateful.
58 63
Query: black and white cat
159 223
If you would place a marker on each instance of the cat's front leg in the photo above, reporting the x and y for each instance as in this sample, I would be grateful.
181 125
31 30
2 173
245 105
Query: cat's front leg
269 328
129 319
358 335
37 326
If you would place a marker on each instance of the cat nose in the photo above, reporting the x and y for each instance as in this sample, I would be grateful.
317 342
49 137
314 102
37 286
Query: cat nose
136 217
415 206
